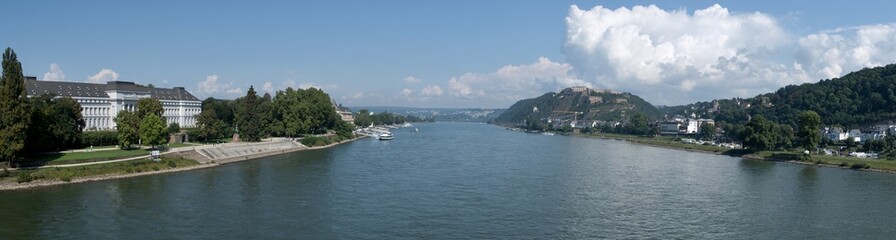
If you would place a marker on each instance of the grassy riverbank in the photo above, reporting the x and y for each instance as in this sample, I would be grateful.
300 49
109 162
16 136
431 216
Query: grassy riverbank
795 157
69 173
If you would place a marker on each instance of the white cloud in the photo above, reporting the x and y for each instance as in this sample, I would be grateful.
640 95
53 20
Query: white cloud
431 90
289 84
411 79
406 92
55 73
834 53
513 82
211 86
657 53
103 76
268 87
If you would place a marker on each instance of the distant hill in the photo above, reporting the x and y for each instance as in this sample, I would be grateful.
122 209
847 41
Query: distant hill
440 114
857 99
594 104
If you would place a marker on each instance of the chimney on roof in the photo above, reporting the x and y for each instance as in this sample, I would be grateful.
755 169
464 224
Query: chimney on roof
179 88
33 78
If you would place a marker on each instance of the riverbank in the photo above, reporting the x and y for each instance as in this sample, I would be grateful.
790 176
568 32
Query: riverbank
881 166
118 170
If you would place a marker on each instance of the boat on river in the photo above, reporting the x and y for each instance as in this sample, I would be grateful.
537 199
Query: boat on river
385 136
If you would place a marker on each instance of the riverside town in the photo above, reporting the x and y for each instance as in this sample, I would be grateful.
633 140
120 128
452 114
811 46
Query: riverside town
448 120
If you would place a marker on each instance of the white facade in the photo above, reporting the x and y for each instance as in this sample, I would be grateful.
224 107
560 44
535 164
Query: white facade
100 103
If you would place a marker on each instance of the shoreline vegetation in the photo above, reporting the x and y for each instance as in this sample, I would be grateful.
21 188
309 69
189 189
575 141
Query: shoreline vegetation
852 163
170 162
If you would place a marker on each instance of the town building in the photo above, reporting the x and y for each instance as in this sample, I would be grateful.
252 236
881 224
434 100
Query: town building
681 126
100 103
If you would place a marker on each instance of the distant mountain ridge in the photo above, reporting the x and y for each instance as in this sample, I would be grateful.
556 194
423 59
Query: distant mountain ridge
860 98
585 103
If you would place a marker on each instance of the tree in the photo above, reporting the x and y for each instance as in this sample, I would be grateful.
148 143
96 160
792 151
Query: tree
638 124
809 129
14 115
152 130
210 127
56 124
127 124
248 118
173 128
759 134
146 106
363 118
707 131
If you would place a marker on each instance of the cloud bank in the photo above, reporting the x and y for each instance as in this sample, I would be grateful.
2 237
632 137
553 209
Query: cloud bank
55 73
674 57
102 76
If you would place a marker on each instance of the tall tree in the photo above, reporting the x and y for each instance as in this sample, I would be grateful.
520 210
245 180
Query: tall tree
210 127
809 129
14 116
152 130
127 124
146 106
248 117
759 134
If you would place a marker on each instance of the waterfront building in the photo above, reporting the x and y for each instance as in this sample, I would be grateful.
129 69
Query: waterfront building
100 103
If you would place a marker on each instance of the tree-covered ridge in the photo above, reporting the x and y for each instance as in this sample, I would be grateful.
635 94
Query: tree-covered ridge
603 105
857 99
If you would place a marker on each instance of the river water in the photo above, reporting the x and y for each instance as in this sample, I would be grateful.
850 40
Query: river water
461 180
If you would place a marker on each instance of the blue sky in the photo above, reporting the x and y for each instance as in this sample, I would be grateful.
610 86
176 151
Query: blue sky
451 53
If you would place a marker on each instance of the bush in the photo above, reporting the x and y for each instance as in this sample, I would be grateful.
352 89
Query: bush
5 173
24 177
859 166
313 141
172 164
99 138
844 164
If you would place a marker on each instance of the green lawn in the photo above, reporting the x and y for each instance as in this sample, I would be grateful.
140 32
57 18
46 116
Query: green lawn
79 157
67 174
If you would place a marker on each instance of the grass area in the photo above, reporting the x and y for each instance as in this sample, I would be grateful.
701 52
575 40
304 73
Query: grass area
79 157
177 145
315 141
67 174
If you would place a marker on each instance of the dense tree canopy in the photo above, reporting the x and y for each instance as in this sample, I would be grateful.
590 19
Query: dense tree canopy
56 124
248 118
809 129
128 125
146 106
14 111
209 126
152 130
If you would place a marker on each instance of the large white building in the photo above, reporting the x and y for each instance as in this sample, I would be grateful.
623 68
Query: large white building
100 103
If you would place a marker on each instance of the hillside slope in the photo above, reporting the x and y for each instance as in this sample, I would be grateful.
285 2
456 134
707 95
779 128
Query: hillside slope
594 104
857 99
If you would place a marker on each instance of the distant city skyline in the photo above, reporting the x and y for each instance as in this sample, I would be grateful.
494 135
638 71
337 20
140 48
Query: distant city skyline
485 54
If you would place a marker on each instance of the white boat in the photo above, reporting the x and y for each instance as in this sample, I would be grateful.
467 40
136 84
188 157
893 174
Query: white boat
385 136
548 134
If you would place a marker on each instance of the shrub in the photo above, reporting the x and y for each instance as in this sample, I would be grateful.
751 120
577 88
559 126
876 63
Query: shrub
172 164
313 141
5 173
844 164
24 177
859 166
99 138
155 167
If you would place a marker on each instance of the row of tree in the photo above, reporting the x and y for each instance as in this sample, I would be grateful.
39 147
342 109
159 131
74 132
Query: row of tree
289 113
145 126
367 118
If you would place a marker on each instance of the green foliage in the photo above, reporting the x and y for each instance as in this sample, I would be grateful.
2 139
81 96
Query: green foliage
638 124
152 130
99 138
809 129
14 115
128 125
860 98
223 109
611 107
759 134
209 126
173 128
707 131
146 106
304 111
56 124
248 119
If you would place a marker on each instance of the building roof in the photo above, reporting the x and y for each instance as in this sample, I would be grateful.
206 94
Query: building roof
79 89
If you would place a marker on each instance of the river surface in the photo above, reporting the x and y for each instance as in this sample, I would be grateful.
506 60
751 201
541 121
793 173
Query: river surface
461 181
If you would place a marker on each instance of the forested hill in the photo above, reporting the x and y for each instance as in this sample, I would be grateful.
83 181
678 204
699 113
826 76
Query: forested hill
594 104
857 99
